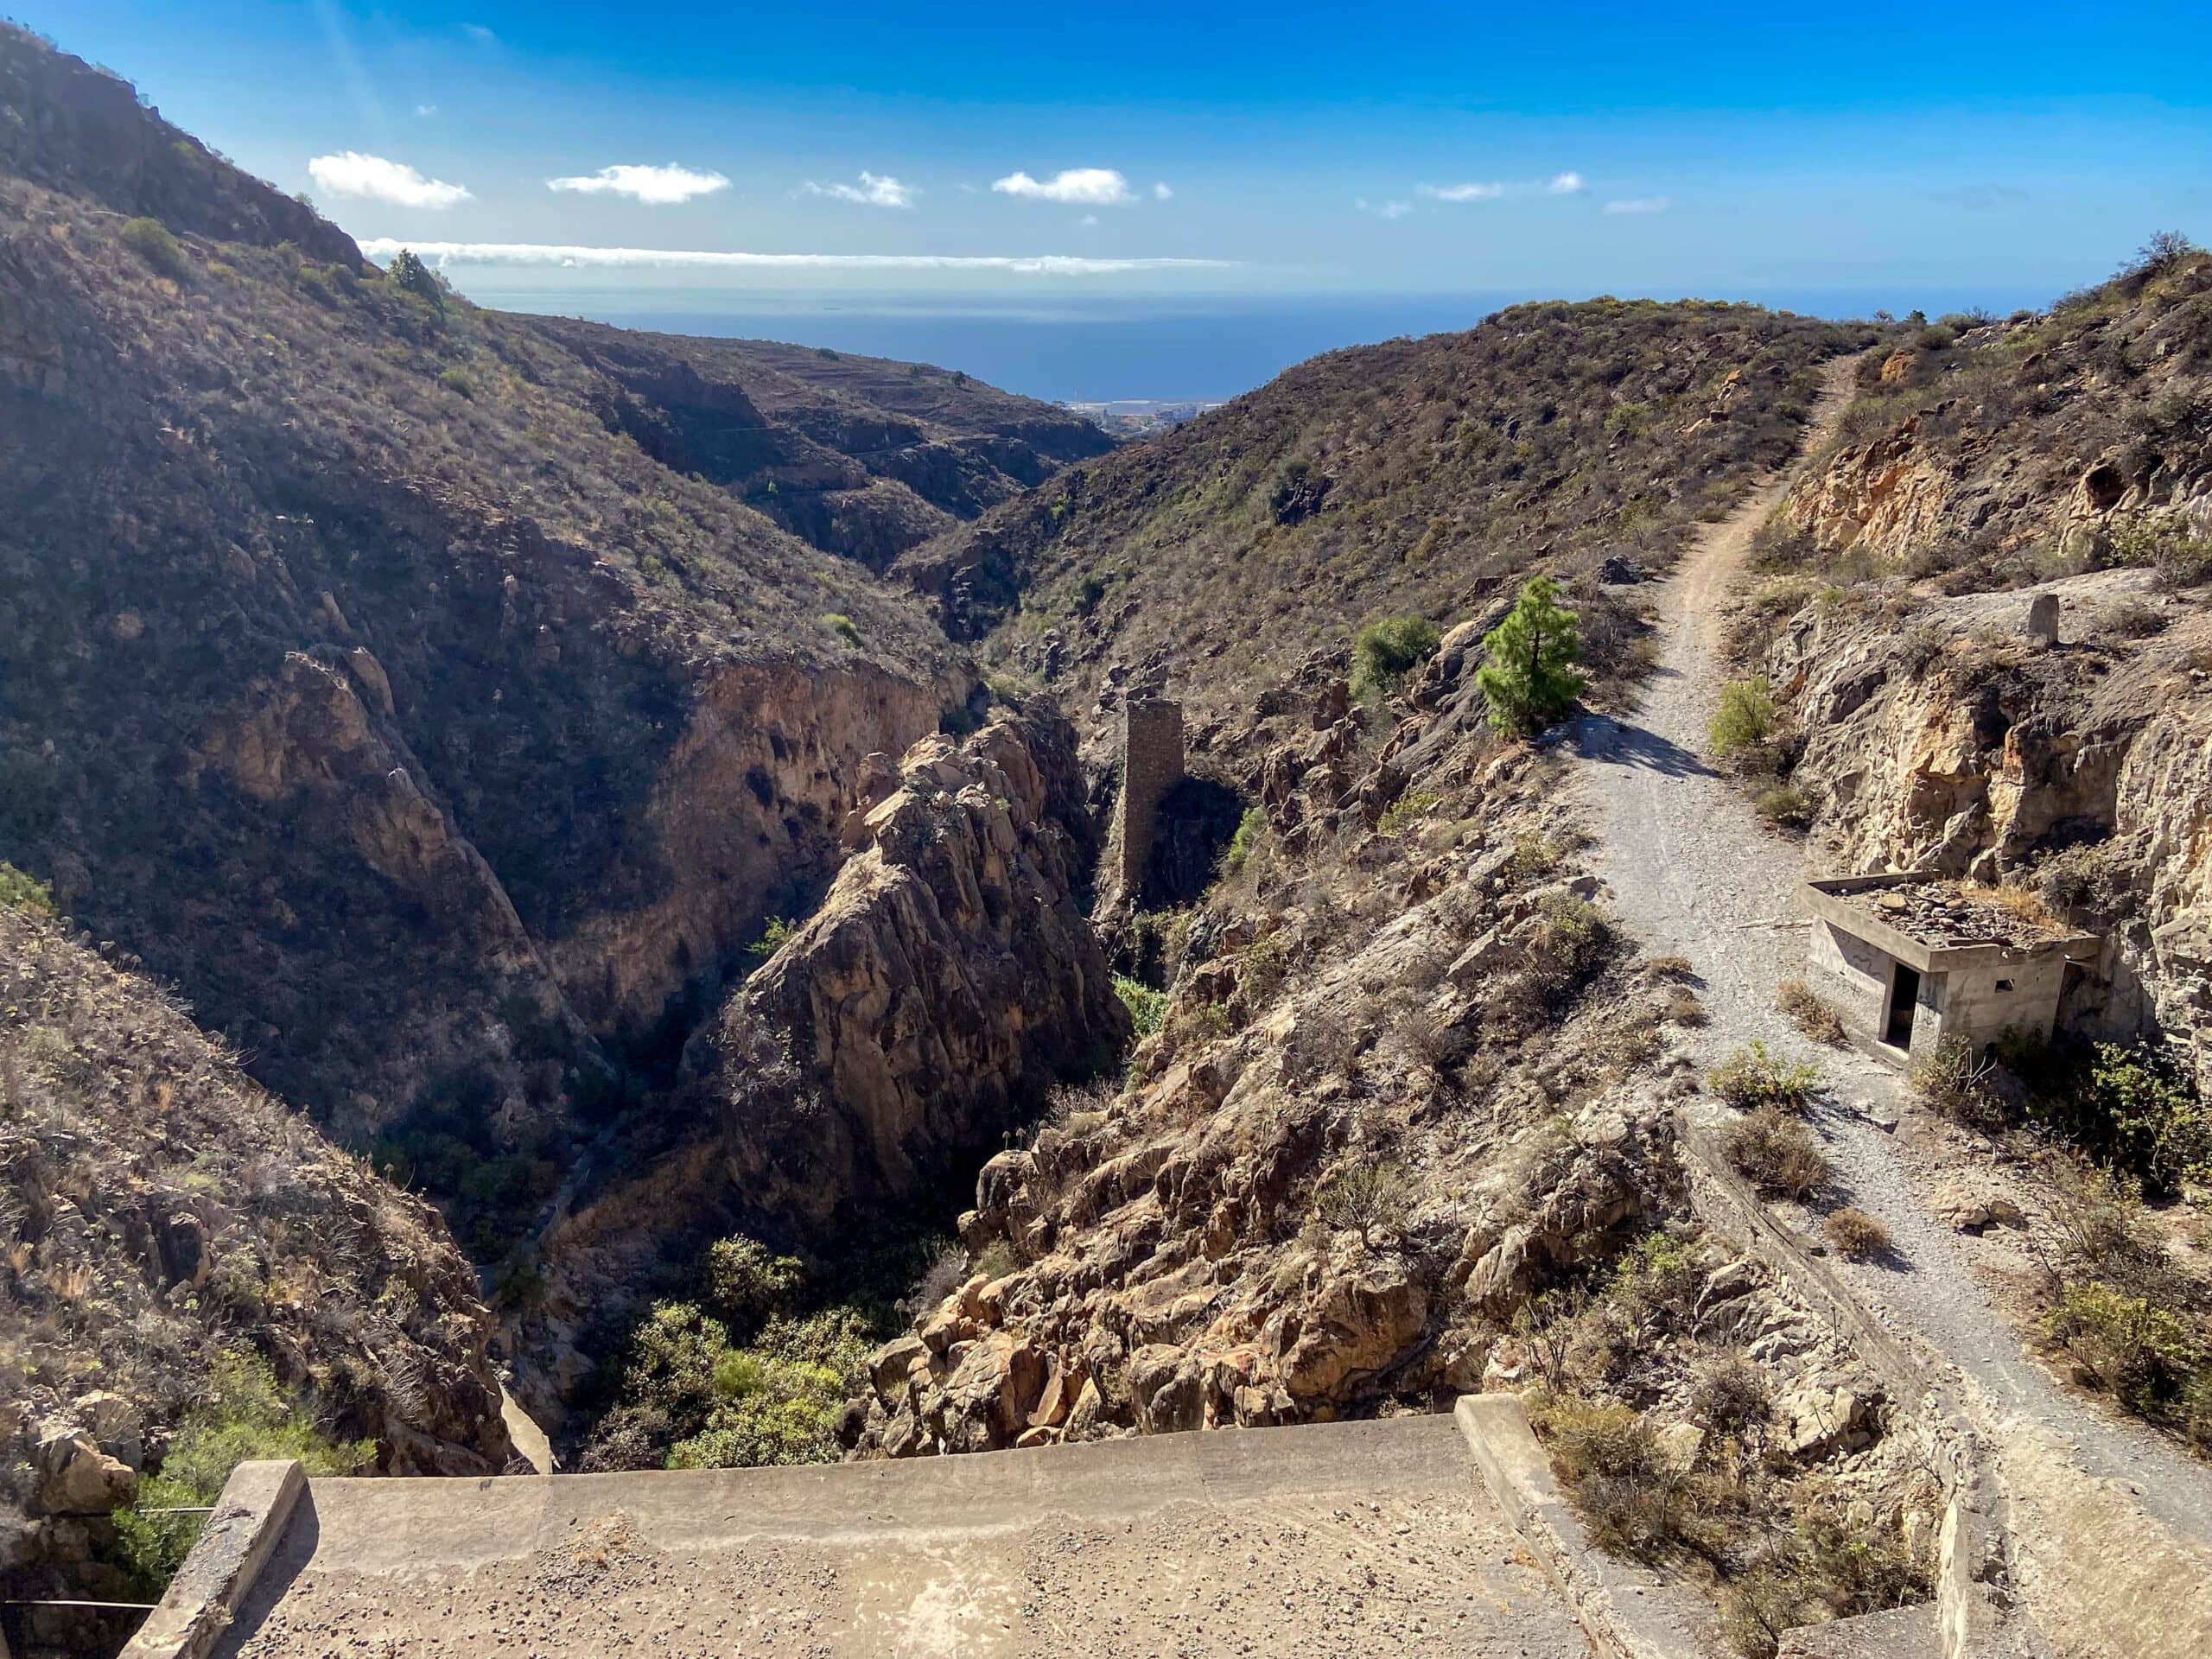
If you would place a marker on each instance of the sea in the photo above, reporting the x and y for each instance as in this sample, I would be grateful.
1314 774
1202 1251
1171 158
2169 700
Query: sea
1088 348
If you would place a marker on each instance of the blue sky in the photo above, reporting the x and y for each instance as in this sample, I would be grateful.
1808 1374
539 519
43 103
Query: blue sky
1284 150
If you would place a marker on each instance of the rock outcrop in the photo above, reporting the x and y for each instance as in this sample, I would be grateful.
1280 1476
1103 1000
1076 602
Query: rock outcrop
2009 680
947 981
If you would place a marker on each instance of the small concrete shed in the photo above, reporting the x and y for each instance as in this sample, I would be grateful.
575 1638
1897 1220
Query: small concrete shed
1910 959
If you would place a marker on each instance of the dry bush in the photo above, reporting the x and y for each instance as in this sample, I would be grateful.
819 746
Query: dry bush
1778 1154
1809 1011
1856 1236
1728 1393
1685 1008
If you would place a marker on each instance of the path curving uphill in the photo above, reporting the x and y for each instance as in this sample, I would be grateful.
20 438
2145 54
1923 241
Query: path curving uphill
2112 1525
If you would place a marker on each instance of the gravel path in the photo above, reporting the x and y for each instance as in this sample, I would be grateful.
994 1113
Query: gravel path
1694 872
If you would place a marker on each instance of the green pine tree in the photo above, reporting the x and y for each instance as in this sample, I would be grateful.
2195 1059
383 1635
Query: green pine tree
1526 677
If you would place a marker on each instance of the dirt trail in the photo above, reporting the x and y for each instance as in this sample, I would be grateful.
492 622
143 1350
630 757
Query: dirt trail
1693 872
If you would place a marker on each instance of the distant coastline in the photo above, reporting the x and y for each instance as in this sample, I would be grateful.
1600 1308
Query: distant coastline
1089 349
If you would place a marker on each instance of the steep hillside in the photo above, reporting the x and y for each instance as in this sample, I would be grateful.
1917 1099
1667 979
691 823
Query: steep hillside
857 456
160 1212
444 746
2065 457
1421 475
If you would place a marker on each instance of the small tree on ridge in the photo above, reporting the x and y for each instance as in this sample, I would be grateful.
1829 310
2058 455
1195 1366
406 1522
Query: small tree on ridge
1526 677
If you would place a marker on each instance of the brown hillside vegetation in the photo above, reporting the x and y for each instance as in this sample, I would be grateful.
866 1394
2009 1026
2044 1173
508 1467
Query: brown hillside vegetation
444 746
855 454
1418 476
158 1210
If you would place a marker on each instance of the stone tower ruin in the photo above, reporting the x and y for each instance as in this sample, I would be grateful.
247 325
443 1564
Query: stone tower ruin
1152 764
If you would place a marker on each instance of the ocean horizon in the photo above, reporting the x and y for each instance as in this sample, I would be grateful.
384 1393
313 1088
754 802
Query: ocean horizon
1085 348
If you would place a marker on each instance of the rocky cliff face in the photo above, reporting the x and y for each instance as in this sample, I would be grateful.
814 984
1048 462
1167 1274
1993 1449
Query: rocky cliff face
947 982
2005 676
156 1208
1329 1159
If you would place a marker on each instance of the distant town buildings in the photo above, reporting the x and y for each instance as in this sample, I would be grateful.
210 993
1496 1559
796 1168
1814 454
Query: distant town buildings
1138 417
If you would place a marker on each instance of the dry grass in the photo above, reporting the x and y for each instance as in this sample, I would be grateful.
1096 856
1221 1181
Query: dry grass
1809 1011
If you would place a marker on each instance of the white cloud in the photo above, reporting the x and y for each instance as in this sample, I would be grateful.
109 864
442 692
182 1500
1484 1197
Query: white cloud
874 190
563 256
1161 193
1565 184
657 186
1089 187
1383 209
1641 205
477 32
351 174
1088 218
1462 192
426 109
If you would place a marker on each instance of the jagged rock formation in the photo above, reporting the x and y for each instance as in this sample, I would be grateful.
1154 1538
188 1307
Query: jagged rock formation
157 1207
1173 1268
1419 475
2062 459
947 982
859 456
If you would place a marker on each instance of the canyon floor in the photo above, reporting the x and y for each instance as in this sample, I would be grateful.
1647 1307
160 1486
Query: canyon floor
2105 1509
1369 1538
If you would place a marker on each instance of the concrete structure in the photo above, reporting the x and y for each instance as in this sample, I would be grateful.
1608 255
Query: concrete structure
1312 1542
1908 959
1152 764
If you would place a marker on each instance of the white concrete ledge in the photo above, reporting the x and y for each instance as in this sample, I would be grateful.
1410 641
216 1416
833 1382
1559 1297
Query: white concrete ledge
1629 1611
249 1518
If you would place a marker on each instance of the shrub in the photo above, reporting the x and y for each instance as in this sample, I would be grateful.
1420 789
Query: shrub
1744 720
1385 651
456 382
1147 1007
1409 808
1608 1458
1525 677
410 276
2127 1345
775 934
244 1414
1955 1083
2142 1114
150 240
1251 828
1363 1195
1753 1077
746 1284
1856 1234
23 891
1785 807
1729 1393
1778 1154
1808 1012
2165 251
842 625
1685 1008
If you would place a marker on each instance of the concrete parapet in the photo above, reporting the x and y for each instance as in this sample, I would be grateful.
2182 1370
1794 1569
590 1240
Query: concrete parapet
1977 1614
250 1516
1629 1611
